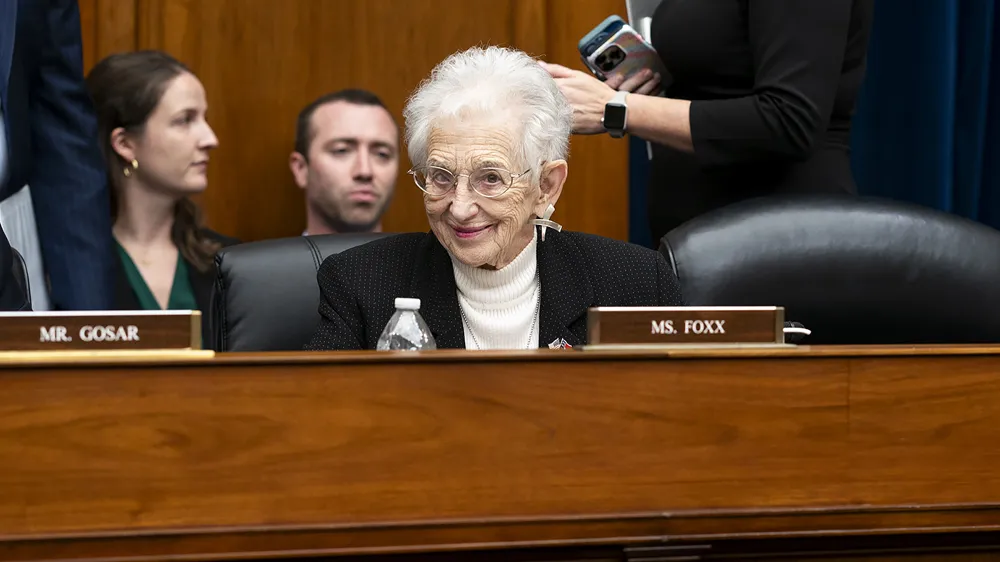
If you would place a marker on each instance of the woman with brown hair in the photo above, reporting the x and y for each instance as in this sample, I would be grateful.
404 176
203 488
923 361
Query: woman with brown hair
151 120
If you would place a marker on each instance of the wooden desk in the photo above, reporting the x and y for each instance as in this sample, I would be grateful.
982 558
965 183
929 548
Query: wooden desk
872 453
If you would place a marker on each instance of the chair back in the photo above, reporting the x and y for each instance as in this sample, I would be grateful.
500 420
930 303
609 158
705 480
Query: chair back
266 296
853 270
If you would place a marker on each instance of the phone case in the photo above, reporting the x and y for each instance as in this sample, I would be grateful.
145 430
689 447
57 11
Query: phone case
638 55
608 27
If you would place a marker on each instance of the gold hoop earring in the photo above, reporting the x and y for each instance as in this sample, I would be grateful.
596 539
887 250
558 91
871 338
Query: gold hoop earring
128 171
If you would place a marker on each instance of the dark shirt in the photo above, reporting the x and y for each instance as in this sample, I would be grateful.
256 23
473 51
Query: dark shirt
773 85
130 294
182 295
13 292
576 271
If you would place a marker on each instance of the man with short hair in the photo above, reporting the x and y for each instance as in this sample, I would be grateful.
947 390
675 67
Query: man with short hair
346 160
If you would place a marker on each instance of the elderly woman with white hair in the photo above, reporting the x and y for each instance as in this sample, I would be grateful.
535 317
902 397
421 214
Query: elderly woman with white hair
488 135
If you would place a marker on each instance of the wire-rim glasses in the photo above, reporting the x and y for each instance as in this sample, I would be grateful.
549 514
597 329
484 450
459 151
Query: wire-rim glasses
488 182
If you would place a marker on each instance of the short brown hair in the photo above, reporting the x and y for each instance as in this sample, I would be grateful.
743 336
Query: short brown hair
304 132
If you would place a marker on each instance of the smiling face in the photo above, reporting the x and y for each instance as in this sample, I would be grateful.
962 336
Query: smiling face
480 231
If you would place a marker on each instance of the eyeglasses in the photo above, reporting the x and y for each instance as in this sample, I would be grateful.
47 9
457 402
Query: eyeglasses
488 182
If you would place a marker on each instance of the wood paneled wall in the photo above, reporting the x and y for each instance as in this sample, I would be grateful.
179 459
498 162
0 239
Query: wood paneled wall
261 61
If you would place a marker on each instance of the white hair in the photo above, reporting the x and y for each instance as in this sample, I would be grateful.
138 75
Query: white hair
486 82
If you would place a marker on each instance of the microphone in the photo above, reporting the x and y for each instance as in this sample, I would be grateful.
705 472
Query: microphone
795 332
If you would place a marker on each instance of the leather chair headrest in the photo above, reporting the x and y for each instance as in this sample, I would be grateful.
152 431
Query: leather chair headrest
266 296
851 269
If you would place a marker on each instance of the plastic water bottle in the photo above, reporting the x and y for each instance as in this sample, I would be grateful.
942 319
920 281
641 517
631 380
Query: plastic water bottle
406 329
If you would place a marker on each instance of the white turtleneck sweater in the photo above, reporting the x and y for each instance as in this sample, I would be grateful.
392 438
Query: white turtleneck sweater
500 305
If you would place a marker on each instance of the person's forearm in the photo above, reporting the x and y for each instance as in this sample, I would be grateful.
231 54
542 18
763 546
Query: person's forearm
661 120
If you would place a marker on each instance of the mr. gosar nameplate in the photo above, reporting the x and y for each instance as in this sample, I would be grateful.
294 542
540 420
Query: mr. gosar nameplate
93 331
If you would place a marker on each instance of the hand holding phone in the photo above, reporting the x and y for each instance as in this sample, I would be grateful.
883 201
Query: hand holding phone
616 52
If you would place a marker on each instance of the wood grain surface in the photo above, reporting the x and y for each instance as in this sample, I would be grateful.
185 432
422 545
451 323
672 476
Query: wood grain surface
331 453
262 61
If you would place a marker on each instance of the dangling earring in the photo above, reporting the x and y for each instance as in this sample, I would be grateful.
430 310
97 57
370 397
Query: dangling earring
128 171
545 223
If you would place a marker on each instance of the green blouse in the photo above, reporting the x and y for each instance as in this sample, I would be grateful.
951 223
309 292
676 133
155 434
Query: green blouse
181 292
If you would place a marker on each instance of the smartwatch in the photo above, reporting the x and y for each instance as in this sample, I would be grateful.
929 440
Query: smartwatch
615 115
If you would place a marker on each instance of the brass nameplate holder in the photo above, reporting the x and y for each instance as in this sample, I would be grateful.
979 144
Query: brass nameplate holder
100 331
714 325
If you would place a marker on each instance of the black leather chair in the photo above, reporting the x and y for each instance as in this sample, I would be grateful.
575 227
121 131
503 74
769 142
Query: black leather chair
853 270
20 271
266 297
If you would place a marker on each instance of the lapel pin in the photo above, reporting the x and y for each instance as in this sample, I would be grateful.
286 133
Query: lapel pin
560 343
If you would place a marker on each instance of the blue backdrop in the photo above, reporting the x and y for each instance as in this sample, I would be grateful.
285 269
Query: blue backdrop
927 127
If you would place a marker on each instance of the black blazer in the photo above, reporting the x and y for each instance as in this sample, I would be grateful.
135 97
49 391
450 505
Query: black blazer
358 287
201 283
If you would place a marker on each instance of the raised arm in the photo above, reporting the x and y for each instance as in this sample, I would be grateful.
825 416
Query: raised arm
798 50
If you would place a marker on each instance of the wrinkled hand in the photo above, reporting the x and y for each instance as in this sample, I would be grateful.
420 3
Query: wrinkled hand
588 95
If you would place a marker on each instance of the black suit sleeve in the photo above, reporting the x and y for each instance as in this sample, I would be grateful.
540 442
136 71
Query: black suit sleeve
68 184
669 285
340 325
798 51
12 297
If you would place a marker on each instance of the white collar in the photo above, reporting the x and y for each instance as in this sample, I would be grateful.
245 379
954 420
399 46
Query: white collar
493 288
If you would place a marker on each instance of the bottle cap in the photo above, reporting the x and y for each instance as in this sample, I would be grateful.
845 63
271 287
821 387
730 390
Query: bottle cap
407 304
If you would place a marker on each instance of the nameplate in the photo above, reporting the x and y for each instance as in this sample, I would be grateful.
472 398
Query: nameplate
686 325
96 331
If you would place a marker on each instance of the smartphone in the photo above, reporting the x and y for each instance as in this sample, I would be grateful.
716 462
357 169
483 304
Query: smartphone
613 48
